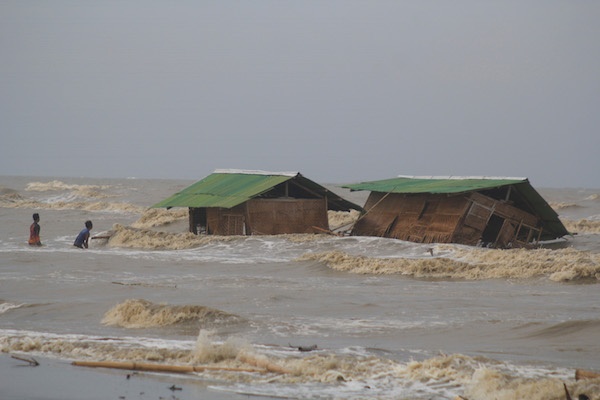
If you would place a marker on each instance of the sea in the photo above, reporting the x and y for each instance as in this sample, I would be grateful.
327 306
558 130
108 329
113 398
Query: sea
311 316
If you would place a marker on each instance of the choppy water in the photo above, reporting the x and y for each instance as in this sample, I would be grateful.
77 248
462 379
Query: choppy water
389 319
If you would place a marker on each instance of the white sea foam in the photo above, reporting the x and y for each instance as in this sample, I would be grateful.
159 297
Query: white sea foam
473 263
56 185
359 327
324 373
6 306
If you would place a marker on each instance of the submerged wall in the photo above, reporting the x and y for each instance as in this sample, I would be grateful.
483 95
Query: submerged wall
262 217
470 219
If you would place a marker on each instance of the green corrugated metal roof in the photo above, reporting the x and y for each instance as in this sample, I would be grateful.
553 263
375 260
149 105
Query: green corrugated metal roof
224 190
433 185
228 189
553 227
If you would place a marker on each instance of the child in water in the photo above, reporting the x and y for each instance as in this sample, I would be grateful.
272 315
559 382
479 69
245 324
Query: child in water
34 231
82 239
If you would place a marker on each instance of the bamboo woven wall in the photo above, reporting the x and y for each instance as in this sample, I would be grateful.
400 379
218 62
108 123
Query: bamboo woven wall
279 216
222 221
268 217
420 218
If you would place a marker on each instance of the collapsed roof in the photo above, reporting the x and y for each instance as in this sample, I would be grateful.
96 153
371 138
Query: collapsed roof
516 191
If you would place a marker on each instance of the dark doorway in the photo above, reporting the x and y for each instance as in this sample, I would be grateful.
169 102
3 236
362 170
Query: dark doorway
198 220
492 229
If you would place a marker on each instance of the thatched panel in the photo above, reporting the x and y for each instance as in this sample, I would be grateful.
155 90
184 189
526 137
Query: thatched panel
515 214
381 215
451 205
477 216
278 216
444 223
212 220
429 218
467 235
506 234
223 221
483 199
419 218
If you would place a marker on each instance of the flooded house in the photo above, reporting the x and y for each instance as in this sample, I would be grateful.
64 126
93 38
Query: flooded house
487 211
242 202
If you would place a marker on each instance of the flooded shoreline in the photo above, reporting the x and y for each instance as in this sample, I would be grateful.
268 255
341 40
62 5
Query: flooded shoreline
382 318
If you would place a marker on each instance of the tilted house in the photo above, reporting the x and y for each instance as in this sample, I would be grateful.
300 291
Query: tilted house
238 202
496 212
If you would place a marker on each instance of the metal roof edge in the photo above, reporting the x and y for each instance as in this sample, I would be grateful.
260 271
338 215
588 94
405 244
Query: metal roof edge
254 172
456 177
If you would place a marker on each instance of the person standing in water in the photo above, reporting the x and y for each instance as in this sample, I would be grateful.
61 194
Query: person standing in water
34 231
82 239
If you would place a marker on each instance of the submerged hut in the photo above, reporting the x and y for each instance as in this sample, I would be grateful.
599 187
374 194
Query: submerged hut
240 202
487 211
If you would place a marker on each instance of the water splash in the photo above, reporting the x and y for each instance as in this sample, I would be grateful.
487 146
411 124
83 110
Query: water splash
139 313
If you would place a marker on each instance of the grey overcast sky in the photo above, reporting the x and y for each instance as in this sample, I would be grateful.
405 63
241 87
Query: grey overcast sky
342 91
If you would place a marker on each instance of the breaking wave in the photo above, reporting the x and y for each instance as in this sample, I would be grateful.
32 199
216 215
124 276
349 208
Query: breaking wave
76 191
137 313
342 219
6 306
80 197
567 328
58 185
582 226
474 264
9 196
154 217
562 206
147 239
593 197
129 237
349 373
16 201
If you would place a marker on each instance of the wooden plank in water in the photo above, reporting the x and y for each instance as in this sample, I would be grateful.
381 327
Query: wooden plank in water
583 374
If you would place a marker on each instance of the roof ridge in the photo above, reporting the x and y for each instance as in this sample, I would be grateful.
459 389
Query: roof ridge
457 177
254 172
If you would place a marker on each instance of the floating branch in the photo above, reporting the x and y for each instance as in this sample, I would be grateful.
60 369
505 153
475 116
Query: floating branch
32 361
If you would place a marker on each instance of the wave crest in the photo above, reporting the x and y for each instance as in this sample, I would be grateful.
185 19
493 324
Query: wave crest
473 264
6 306
10 197
562 206
15 200
593 197
417 267
572 327
154 217
58 185
582 226
447 376
129 237
138 313
341 219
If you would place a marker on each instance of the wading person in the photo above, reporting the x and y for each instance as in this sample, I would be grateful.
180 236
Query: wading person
34 231
82 239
